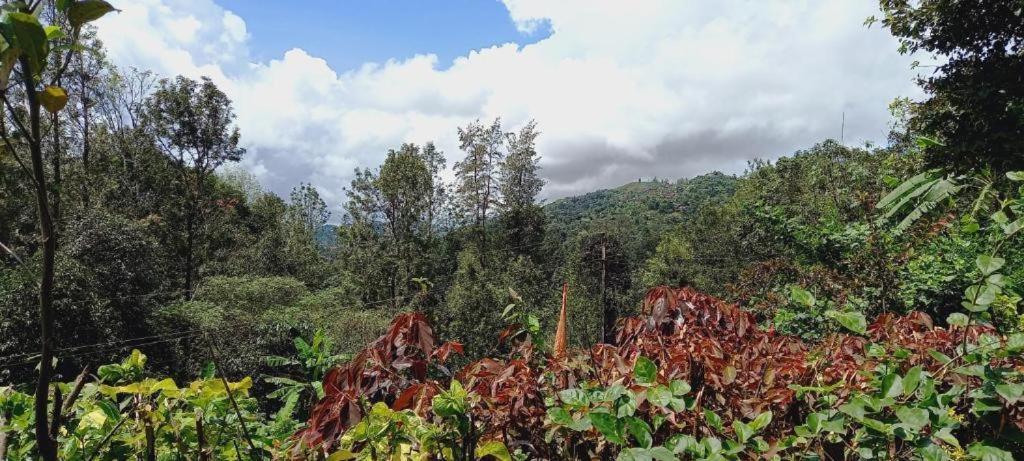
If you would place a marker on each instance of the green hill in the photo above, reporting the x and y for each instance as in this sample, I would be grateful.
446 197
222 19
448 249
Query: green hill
639 208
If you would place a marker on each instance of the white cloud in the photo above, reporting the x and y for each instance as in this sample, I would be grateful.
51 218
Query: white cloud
620 89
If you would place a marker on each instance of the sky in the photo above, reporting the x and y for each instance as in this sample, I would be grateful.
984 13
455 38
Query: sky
620 90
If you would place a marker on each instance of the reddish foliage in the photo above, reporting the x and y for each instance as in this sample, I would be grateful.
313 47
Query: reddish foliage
393 368
735 368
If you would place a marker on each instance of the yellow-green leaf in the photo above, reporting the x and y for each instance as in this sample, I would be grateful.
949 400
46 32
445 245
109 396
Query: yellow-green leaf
53 98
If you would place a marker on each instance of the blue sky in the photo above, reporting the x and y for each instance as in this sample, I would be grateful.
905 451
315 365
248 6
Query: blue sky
348 33
619 89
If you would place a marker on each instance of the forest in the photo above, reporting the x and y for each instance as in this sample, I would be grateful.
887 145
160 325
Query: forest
839 302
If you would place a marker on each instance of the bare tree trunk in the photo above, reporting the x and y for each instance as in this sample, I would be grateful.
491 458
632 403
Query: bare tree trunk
47 446
4 417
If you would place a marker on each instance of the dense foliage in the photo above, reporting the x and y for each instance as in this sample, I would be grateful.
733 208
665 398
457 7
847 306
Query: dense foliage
841 302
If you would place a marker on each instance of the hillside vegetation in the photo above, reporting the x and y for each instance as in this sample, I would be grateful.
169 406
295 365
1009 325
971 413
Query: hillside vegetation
837 302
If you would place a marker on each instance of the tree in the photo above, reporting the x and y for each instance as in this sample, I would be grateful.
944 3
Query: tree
522 219
477 184
27 48
193 123
393 220
305 219
976 104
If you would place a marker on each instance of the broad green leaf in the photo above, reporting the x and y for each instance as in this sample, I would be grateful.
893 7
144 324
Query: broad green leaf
981 295
915 418
560 416
957 319
574 397
679 387
1011 392
905 187
801 296
911 380
989 264
493 449
892 385
609 426
1014 227
84 11
30 38
853 321
984 452
742 430
645 371
1015 175
640 431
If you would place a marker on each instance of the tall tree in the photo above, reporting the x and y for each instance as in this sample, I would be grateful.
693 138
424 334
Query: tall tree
477 183
522 218
976 103
193 123
305 219
520 181
27 49
393 217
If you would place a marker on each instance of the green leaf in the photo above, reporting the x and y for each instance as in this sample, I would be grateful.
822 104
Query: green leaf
640 431
30 38
801 296
743 431
1014 227
493 449
984 452
761 421
84 11
853 321
679 387
925 141
915 418
911 380
574 397
645 371
713 420
989 264
560 416
957 319
609 426
908 185
981 295
54 33
892 385
1015 175
1011 392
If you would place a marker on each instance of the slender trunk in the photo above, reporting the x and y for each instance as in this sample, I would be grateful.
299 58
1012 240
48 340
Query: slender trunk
85 128
204 453
189 245
150 443
608 326
47 446
55 164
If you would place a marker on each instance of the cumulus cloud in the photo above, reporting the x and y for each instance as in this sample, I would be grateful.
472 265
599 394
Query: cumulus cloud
620 90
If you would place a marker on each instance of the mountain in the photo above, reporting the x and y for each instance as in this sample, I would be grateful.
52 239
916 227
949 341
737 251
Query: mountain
644 208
